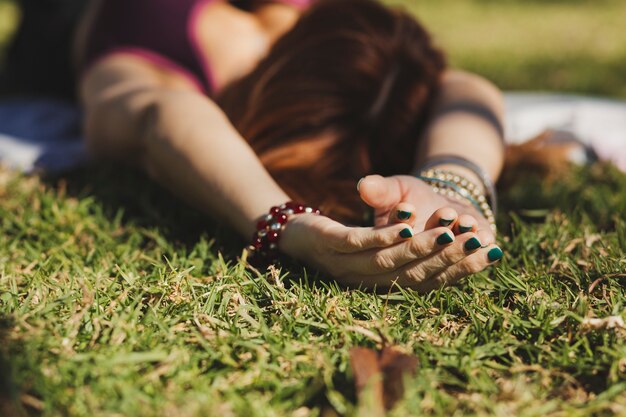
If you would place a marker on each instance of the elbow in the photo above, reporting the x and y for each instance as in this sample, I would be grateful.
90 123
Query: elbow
477 87
114 131
493 95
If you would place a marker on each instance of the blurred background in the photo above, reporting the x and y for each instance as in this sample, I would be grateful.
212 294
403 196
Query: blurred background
9 18
556 45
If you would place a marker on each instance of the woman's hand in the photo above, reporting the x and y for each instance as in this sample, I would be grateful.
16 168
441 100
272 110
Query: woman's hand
384 255
385 195
408 200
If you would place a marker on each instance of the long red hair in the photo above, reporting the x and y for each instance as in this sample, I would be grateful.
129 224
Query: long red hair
343 94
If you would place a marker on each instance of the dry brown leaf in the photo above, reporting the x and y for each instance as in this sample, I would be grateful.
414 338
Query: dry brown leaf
572 245
612 322
379 377
273 274
583 264
595 283
591 239
556 262
395 365
32 402
367 379
328 411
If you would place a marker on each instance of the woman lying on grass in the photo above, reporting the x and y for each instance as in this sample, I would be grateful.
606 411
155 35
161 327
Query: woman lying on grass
240 108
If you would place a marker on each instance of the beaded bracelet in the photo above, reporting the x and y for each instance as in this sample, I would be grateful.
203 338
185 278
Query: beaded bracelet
453 185
264 247
490 189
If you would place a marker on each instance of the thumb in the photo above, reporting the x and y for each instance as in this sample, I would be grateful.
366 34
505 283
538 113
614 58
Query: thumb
378 192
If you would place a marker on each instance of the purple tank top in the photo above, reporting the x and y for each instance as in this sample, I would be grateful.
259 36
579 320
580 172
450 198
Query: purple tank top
161 31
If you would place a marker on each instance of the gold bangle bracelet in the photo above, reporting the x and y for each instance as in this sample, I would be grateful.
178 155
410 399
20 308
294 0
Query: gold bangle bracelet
453 185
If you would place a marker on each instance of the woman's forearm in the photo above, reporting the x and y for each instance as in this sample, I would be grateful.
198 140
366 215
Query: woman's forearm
179 137
466 133
191 147
185 142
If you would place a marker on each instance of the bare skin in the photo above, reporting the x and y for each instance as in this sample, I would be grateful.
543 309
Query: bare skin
157 120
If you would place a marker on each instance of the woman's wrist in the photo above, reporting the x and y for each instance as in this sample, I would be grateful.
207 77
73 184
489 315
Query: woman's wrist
267 240
476 177
464 173
256 207
454 185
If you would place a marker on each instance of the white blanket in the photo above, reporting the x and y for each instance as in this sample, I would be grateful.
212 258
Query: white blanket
44 134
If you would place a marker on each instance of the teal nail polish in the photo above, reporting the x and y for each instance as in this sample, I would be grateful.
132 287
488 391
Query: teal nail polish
404 215
495 254
445 222
406 233
444 239
465 229
472 244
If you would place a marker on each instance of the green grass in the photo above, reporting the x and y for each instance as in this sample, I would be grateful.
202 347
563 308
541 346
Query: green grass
116 300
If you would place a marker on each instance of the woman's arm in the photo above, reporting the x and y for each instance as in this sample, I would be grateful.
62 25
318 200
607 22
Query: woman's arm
180 138
473 134
467 121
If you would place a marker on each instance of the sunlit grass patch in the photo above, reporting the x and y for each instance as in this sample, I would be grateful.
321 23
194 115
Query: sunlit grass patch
109 307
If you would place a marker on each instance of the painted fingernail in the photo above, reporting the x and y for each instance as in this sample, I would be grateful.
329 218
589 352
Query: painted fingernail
358 184
403 215
495 254
406 233
444 239
445 222
472 244
465 229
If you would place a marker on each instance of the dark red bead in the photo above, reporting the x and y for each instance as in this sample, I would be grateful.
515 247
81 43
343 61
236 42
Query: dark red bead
261 225
273 237
257 241
298 209
291 204
275 210
281 218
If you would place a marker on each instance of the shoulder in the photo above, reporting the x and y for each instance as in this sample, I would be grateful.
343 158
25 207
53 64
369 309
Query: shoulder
125 72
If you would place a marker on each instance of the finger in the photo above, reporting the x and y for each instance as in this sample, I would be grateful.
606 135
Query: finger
403 213
421 270
465 224
357 239
380 192
472 264
486 237
445 216
412 277
393 258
